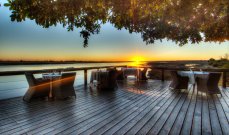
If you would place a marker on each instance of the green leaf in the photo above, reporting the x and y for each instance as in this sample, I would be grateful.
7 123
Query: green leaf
7 4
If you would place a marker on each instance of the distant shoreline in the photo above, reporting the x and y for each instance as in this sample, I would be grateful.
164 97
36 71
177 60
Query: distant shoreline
2 63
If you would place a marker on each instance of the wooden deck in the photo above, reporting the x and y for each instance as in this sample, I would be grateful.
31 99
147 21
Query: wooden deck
135 108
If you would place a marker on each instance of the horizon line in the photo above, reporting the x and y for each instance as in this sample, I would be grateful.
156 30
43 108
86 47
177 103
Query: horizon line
94 60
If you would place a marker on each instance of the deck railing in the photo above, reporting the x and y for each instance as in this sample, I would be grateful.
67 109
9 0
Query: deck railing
85 69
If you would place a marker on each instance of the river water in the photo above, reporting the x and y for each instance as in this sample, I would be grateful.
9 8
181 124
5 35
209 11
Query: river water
14 86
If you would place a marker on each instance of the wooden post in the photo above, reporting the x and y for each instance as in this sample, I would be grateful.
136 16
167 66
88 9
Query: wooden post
85 77
162 75
224 79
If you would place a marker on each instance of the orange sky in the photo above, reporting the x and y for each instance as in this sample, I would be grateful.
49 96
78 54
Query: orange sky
141 52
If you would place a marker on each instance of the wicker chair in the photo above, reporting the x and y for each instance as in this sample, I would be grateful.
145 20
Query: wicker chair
178 81
119 75
38 87
209 83
63 88
112 82
143 74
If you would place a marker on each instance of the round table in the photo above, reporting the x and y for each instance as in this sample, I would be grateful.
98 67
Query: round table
192 75
51 76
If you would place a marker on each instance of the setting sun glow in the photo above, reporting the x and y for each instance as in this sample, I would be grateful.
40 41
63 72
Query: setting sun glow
137 60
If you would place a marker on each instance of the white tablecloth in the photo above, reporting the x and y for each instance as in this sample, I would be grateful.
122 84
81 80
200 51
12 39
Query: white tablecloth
51 75
192 75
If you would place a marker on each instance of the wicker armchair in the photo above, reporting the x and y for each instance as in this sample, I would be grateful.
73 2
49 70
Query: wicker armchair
209 83
38 87
63 87
112 82
143 74
119 75
178 81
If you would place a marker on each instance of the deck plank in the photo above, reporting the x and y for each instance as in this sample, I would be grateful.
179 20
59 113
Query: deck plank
215 124
177 126
43 118
222 117
145 119
196 123
74 113
224 105
115 125
206 124
142 116
175 114
134 108
187 124
166 115
151 122
98 121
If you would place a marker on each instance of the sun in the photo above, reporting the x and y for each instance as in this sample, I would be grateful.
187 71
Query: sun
137 61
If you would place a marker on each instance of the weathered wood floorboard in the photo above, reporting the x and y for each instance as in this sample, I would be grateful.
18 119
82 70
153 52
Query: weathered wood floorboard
134 108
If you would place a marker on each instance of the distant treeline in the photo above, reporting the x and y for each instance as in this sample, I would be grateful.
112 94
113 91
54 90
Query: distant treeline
52 62
179 64
223 62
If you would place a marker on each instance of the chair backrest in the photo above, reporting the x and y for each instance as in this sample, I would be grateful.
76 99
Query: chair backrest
174 75
143 73
213 78
30 78
144 70
113 74
119 75
67 79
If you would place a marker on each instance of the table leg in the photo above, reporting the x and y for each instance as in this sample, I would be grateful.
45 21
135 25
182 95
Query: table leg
194 86
50 92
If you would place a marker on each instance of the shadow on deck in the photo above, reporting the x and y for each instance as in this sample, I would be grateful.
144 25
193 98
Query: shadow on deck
135 108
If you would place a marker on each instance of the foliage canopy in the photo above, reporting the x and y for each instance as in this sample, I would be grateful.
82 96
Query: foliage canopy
181 21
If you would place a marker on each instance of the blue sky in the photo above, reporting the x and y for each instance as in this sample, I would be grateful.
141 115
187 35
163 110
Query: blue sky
28 41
